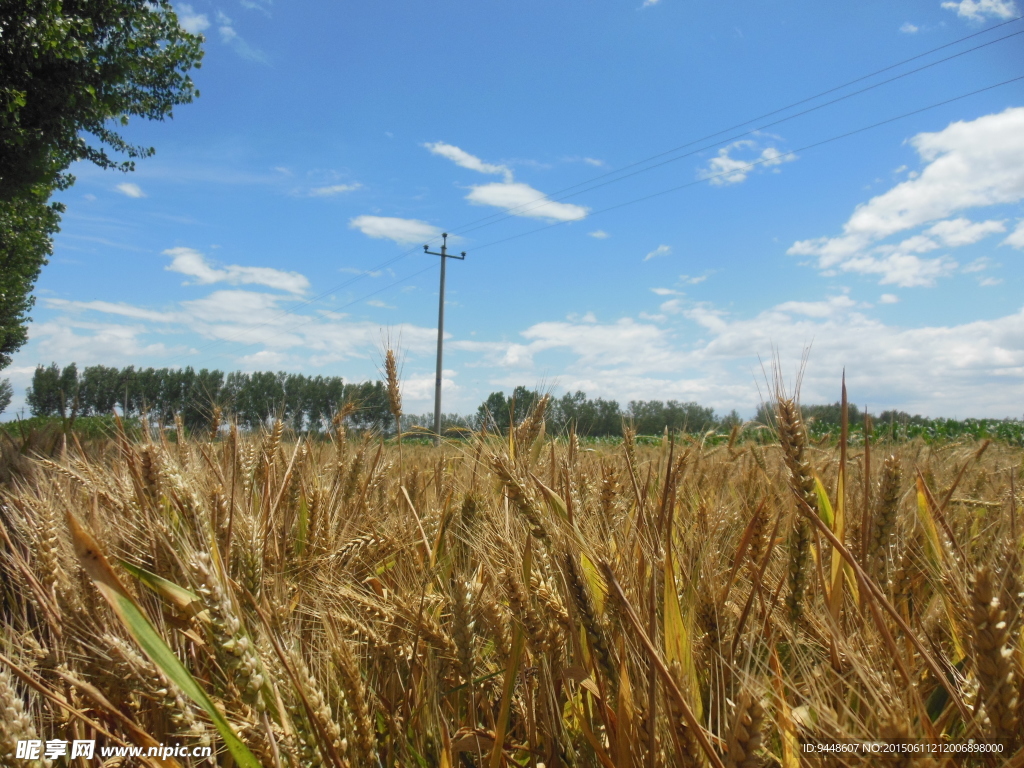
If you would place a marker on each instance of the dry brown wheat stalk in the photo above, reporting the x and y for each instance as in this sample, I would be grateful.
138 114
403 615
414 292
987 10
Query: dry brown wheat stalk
456 611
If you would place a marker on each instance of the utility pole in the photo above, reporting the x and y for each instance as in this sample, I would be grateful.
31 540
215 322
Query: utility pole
440 331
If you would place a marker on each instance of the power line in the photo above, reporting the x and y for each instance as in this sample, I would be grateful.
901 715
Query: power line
749 166
559 195
709 136
755 163
540 202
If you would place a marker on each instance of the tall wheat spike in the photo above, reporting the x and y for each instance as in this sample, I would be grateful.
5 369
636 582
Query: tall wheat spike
672 613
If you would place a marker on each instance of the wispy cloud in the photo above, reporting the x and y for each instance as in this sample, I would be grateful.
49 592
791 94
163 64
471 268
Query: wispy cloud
970 164
725 169
110 308
521 199
229 36
661 250
464 159
980 10
333 189
379 304
402 231
980 363
191 21
188 261
516 198
599 234
252 5
130 190
1016 238
275 340
692 279
909 29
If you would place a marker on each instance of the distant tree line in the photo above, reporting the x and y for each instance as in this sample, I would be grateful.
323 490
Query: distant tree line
302 402
597 417
308 404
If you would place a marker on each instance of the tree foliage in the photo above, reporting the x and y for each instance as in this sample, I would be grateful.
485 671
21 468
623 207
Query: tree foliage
6 393
254 399
597 417
71 69
27 226
77 66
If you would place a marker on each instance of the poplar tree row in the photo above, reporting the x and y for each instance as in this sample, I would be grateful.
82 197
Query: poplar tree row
302 402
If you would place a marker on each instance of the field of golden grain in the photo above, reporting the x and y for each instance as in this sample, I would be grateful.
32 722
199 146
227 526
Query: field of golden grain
516 600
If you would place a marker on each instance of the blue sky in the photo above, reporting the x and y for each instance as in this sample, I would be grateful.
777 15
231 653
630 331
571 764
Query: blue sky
280 224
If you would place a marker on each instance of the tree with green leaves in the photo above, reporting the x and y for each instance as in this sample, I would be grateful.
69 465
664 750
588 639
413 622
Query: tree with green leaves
72 69
497 413
6 393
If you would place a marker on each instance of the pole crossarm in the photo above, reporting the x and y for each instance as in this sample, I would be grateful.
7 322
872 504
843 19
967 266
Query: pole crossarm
440 330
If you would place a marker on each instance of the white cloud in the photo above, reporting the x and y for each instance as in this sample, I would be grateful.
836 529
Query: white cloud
94 343
521 199
656 318
987 282
463 159
599 234
516 198
826 308
980 10
402 231
888 298
970 164
258 335
230 37
130 190
909 29
666 292
688 280
978 265
901 269
597 344
191 21
956 232
251 5
125 310
726 169
233 308
188 261
333 189
661 250
419 387
649 3
379 304
980 365
593 161
1016 238
975 368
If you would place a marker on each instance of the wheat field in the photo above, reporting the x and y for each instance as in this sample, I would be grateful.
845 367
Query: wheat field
516 600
